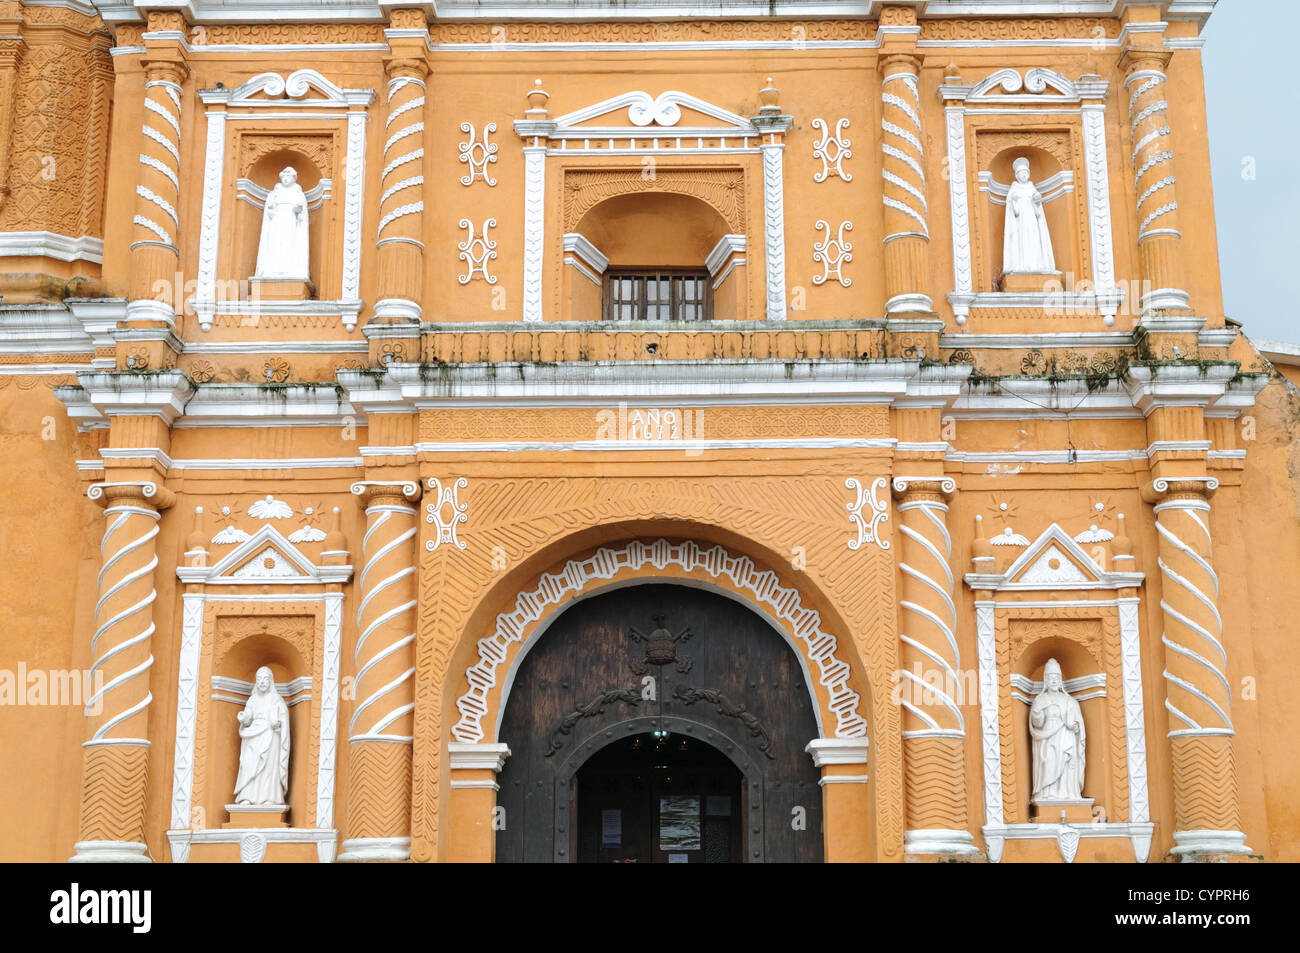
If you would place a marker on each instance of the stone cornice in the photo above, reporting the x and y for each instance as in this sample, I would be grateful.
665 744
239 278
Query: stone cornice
377 11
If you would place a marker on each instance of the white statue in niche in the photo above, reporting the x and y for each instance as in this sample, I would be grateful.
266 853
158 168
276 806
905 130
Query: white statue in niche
264 745
1026 244
1056 726
282 250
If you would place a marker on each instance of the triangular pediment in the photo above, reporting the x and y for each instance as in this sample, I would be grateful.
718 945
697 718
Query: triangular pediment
1055 560
669 113
266 557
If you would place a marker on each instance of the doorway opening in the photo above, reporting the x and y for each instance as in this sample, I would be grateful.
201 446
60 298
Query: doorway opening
662 798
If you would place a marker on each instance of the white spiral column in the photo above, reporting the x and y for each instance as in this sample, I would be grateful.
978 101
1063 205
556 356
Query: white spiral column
401 202
380 730
1198 694
907 236
117 751
1159 239
931 686
156 223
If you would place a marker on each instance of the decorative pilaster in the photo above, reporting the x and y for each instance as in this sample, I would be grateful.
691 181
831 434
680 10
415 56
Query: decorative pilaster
934 729
12 47
907 236
1159 239
117 750
773 127
381 728
1198 695
845 807
401 202
473 818
154 248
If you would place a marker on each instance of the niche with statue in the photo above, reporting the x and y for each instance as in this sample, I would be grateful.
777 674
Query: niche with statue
286 218
260 720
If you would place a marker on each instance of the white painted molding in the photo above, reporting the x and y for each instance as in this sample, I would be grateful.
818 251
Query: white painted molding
1067 836
299 11
774 229
641 113
947 843
986 653
1209 842
1134 721
1051 188
51 245
534 229
826 751
727 246
480 757
586 253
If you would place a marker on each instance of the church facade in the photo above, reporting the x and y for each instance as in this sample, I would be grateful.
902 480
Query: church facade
653 432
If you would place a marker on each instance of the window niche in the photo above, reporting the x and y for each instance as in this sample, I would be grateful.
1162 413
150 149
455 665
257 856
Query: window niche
655 250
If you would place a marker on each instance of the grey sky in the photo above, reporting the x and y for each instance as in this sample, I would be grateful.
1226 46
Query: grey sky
1253 102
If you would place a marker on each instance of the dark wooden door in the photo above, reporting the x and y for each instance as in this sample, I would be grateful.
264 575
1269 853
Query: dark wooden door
711 671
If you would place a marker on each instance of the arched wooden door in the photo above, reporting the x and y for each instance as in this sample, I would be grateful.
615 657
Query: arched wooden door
658 661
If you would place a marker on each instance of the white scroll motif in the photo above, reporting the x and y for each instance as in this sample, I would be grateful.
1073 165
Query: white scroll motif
477 252
478 153
877 513
832 150
833 254
446 499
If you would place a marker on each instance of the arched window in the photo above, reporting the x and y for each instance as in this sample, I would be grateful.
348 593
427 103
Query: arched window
654 256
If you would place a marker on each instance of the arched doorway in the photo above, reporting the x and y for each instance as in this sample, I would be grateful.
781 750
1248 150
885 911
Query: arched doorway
659 662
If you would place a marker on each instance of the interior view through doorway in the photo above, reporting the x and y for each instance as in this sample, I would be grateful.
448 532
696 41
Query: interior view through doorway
660 798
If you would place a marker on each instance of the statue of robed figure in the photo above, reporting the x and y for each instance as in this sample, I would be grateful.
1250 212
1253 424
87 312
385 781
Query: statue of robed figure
264 745
1026 243
282 249
1056 726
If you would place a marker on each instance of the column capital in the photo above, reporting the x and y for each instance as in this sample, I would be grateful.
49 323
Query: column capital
899 61
398 492
1180 487
406 67
143 493
906 487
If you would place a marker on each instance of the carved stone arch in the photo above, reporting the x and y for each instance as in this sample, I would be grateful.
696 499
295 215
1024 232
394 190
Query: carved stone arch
839 706
722 189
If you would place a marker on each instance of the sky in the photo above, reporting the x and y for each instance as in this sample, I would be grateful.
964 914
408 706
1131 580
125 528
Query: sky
1253 106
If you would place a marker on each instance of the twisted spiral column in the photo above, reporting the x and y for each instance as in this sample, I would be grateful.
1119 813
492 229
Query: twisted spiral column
1159 239
117 750
382 724
907 236
401 200
156 223
931 686
1198 695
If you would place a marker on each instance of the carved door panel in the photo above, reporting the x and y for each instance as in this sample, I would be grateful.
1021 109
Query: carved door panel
710 671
